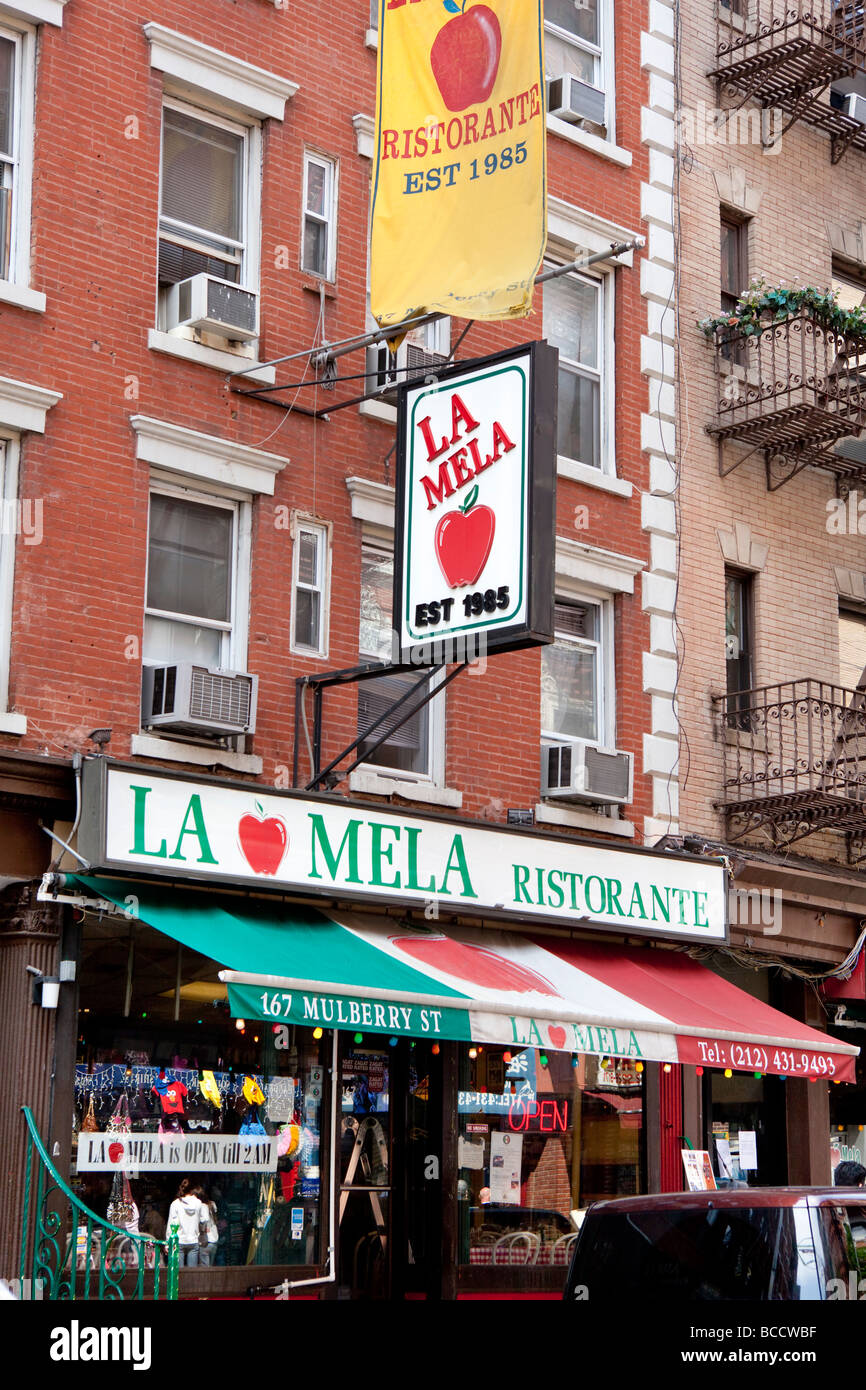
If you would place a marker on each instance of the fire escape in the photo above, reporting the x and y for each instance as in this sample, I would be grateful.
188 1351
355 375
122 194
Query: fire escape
794 763
790 389
785 54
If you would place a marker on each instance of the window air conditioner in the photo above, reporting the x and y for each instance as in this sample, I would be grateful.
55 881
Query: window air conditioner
854 106
573 100
412 358
213 306
190 699
582 772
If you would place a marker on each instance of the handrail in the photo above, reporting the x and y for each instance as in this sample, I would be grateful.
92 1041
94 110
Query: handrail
55 1265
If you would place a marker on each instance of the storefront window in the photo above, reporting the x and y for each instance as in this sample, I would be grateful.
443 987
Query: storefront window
745 1114
185 1115
540 1137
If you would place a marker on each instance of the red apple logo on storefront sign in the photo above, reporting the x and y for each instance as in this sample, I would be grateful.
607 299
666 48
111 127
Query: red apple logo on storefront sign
463 540
115 1152
557 1038
465 55
263 840
474 964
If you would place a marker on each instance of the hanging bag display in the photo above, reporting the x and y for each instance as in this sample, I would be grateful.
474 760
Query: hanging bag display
89 1124
252 1124
120 1121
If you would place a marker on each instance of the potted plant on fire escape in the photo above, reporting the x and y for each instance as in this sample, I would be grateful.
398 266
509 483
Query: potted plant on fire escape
791 373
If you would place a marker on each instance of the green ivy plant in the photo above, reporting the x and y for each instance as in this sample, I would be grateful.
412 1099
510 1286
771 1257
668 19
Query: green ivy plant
763 303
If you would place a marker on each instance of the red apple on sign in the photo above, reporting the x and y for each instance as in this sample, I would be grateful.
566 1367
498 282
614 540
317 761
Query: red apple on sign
465 55
115 1152
263 840
463 540
474 964
557 1037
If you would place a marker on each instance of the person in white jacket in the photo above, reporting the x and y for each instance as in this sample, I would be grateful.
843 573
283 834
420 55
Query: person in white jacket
190 1214
209 1221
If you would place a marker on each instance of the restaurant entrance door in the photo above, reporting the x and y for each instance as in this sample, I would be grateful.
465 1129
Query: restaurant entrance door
389 1209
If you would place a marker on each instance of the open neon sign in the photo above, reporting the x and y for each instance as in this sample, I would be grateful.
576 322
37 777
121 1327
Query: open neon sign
538 1116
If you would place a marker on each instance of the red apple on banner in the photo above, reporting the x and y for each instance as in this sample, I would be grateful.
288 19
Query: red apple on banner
463 540
557 1037
115 1152
263 840
465 55
474 964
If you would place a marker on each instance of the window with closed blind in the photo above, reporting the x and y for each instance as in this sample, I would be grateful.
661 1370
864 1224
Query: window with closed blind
408 749
209 202
573 674
190 579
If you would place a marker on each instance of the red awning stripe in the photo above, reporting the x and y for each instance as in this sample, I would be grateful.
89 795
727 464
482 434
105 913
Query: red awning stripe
716 1023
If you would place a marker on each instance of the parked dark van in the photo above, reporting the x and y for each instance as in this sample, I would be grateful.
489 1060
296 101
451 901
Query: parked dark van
751 1244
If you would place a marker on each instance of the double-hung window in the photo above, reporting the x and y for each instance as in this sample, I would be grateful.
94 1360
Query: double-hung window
573 39
310 588
16 149
408 751
574 322
573 674
205 197
319 241
191 579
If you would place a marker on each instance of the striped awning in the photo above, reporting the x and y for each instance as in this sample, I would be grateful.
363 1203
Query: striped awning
372 974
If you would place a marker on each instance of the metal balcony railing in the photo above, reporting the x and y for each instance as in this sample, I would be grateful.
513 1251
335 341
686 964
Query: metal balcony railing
791 390
794 761
70 1253
785 54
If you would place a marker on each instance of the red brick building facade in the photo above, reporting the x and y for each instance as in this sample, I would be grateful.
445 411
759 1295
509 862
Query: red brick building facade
157 512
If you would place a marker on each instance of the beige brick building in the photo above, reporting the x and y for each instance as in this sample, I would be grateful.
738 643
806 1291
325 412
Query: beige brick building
770 577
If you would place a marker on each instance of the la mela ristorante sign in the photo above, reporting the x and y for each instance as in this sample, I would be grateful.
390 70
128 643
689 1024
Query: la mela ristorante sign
476 481
135 820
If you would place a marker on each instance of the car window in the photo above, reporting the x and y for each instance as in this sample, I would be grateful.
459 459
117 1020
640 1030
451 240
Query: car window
704 1255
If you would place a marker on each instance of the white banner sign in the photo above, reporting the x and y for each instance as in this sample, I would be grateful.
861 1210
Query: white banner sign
136 820
180 1153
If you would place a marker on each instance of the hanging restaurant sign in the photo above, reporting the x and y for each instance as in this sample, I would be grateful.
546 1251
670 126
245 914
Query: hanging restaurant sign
458 205
475 508
135 820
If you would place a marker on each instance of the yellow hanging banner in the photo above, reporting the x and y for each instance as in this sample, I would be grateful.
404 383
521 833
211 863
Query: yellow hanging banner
459 185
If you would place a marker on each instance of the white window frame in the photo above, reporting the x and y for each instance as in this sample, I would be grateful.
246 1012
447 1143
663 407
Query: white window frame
15 285
605 668
322 530
328 220
435 776
234 638
605 284
603 59
250 248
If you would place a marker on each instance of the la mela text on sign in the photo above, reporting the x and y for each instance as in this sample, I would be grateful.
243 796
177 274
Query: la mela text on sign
380 854
466 462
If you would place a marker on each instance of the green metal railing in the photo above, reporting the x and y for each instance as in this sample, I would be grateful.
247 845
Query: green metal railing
74 1253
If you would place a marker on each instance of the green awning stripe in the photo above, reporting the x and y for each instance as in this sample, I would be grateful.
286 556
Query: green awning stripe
347 1013
256 936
